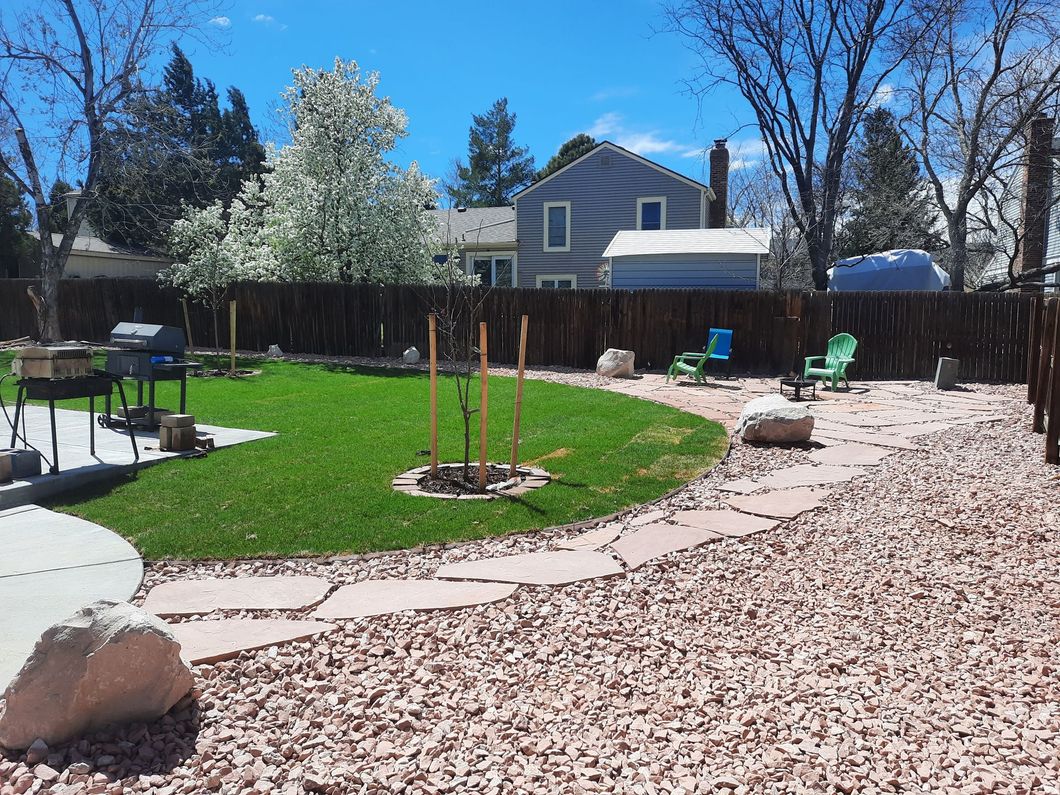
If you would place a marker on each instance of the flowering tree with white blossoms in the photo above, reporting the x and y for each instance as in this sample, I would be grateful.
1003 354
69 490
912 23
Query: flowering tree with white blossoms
204 267
335 209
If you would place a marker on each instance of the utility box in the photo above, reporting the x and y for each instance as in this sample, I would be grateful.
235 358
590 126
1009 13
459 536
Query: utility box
946 373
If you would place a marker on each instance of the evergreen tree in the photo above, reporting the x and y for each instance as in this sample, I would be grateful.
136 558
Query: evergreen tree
174 148
890 207
57 200
577 146
16 246
496 168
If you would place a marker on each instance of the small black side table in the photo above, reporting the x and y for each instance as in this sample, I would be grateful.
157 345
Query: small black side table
52 389
799 384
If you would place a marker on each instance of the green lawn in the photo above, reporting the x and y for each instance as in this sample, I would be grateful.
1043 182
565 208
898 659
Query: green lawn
323 484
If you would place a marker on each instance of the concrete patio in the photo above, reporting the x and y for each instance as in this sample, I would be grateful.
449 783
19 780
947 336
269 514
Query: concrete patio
78 466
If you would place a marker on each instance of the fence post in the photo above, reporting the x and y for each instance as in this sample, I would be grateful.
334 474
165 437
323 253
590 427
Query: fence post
1045 372
1051 399
1033 342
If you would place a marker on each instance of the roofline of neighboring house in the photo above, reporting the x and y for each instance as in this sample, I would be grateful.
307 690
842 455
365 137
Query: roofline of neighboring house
622 151
87 252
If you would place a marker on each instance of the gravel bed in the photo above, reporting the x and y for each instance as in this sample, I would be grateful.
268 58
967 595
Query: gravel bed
902 638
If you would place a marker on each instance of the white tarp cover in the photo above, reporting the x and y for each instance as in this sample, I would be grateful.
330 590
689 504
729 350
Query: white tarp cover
901 269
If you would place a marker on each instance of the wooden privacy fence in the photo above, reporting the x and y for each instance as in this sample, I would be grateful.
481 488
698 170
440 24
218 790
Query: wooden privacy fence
900 335
1043 373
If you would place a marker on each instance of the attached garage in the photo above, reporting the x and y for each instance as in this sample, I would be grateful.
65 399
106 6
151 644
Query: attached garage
717 258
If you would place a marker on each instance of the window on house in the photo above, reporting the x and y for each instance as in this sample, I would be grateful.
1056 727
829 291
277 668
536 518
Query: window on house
493 270
563 281
651 212
557 226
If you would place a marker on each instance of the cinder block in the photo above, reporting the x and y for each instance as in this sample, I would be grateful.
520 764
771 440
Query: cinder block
176 440
178 420
946 373
5 468
19 463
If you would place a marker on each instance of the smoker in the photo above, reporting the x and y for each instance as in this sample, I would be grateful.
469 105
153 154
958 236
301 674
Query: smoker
147 353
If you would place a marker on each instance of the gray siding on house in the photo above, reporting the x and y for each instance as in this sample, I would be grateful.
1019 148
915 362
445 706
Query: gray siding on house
725 271
603 201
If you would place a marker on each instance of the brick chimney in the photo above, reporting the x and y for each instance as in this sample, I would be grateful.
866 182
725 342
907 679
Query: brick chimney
1034 206
718 217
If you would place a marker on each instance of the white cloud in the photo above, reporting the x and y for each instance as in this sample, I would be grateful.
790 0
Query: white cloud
884 95
269 21
221 22
614 92
613 127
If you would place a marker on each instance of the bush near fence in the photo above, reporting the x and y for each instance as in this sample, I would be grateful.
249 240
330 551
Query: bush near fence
901 335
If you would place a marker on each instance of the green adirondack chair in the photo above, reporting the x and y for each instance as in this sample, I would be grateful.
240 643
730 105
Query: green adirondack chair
840 353
691 364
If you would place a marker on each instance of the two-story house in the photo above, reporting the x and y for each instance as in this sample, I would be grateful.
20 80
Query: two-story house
611 218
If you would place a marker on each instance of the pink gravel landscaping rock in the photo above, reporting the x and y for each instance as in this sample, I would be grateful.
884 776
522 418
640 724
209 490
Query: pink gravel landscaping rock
594 539
212 641
535 568
191 597
376 597
655 540
731 524
851 454
784 504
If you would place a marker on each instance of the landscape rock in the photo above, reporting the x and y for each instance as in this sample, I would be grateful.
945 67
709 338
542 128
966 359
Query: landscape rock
109 663
615 363
274 351
411 355
774 420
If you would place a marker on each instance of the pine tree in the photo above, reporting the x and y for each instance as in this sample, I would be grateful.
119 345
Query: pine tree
496 168
57 200
577 146
175 148
16 246
890 206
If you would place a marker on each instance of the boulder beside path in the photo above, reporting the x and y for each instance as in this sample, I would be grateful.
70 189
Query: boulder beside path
775 420
615 363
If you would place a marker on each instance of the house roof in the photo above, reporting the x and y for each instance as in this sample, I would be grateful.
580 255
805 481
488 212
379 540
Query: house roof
622 151
92 246
689 241
477 225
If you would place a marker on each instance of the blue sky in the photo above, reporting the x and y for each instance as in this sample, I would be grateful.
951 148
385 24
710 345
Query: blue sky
566 67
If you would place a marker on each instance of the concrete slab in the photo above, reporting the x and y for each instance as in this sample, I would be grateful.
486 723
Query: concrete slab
79 467
850 454
205 642
378 597
655 540
535 568
594 539
57 564
784 504
731 524
191 597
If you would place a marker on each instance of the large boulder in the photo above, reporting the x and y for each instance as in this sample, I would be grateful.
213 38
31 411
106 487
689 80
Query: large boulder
615 363
774 419
108 663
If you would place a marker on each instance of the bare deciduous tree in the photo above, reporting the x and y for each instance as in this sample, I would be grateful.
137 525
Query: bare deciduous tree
756 200
978 72
809 71
67 69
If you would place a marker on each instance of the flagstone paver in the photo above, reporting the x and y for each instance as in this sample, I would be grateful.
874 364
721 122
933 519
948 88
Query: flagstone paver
847 434
377 597
190 597
919 429
797 475
732 524
594 539
784 504
850 454
535 568
204 642
647 518
655 540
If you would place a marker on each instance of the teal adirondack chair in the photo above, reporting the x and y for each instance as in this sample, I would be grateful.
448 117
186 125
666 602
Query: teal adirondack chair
840 353
691 364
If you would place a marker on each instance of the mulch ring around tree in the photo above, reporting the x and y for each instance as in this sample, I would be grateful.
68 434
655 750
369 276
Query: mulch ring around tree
225 373
450 483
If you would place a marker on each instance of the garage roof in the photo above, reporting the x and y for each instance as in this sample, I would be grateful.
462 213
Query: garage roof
689 241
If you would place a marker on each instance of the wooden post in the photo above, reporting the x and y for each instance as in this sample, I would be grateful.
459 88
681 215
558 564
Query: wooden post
518 397
1051 398
232 335
483 405
187 322
432 322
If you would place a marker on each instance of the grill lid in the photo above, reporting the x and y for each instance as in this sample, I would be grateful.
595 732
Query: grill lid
148 337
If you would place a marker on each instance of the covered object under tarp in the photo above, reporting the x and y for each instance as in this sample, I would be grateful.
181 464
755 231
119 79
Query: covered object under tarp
901 269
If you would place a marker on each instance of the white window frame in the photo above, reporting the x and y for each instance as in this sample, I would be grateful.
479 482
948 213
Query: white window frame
555 277
492 256
546 206
650 200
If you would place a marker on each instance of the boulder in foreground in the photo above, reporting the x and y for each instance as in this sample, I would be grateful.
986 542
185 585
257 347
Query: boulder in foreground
108 663
774 420
615 363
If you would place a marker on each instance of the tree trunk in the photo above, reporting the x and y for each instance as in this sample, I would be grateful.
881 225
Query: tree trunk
958 230
818 263
49 310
